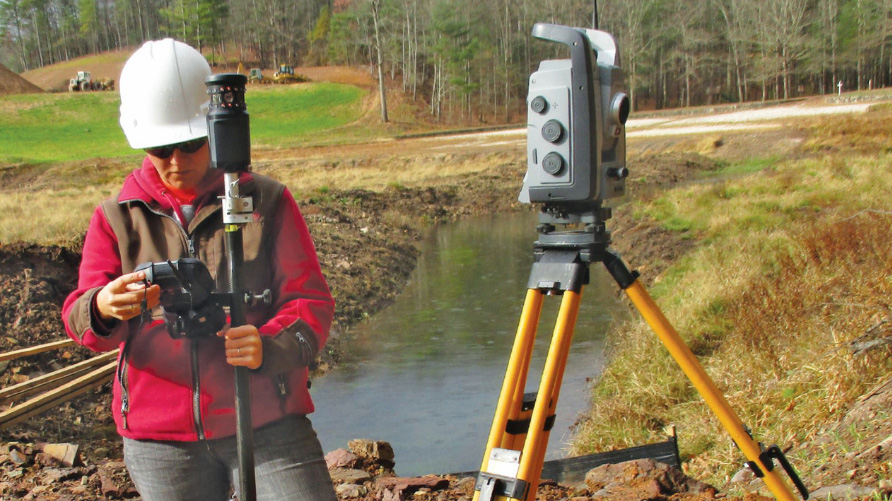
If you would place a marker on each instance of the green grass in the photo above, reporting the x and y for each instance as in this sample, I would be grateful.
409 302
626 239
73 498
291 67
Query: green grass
749 166
298 114
57 127
43 128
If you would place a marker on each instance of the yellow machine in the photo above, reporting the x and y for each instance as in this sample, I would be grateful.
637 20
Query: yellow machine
285 74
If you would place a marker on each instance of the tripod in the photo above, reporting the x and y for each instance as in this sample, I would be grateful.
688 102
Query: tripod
515 450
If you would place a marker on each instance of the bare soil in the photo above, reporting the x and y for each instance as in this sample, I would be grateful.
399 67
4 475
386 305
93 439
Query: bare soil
11 83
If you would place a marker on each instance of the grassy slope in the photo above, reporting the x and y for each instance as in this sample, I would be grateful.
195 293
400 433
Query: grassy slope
67 127
792 265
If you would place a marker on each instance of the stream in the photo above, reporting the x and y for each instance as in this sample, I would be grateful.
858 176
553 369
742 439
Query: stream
425 373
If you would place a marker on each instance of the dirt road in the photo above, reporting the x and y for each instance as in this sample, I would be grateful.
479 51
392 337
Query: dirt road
704 121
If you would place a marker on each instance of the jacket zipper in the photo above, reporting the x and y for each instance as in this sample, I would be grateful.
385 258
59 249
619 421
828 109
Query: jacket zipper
196 391
125 396
196 380
193 344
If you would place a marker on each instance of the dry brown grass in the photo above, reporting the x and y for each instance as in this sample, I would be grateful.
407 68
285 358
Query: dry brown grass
790 275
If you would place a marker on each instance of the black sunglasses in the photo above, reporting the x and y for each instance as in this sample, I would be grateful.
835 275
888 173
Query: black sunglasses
165 152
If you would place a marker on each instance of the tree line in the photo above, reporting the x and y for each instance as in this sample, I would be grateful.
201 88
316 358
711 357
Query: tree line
469 60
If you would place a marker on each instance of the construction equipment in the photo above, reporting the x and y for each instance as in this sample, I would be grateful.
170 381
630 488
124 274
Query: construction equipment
576 159
84 82
285 75
256 77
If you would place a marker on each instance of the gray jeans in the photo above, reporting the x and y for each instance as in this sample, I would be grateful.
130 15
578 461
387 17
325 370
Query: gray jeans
288 464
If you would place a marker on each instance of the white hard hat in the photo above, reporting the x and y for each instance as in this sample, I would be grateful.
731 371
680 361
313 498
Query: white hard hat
163 96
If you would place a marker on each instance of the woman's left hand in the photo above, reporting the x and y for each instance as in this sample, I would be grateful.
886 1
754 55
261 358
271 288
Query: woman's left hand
243 346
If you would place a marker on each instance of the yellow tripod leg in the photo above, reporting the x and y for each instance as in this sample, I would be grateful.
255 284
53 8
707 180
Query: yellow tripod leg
515 375
533 456
705 386
528 329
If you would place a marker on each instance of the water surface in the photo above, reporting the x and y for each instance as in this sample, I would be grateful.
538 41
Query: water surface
425 373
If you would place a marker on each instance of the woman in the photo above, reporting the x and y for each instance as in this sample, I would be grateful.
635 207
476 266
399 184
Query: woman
174 397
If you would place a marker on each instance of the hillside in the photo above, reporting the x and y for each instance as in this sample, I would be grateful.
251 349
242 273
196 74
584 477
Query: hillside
109 64
54 78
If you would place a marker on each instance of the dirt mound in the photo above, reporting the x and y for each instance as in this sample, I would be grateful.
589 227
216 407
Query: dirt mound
11 83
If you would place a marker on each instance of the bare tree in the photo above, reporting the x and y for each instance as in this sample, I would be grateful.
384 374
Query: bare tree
376 6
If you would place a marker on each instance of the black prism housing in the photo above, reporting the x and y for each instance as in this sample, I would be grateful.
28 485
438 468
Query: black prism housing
229 132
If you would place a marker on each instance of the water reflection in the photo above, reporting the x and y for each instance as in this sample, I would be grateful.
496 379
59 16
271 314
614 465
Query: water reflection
425 374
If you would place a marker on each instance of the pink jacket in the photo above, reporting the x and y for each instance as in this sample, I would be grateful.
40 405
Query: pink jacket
182 389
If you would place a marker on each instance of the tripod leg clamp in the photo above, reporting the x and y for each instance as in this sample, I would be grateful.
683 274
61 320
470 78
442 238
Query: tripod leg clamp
491 485
618 270
501 479
767 457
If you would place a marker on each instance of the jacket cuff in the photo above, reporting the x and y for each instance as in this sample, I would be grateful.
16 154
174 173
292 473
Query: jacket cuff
294 347
99 326
80 317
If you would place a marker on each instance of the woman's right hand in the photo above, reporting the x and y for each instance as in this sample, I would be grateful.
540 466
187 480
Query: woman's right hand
122 298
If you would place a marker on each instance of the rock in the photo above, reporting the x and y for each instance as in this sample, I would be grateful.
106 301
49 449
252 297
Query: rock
67 454
743 475
18 458
389 495
350 491
114 481
341 458
371 449
350 476
401 488
641 479
55 475
842 492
